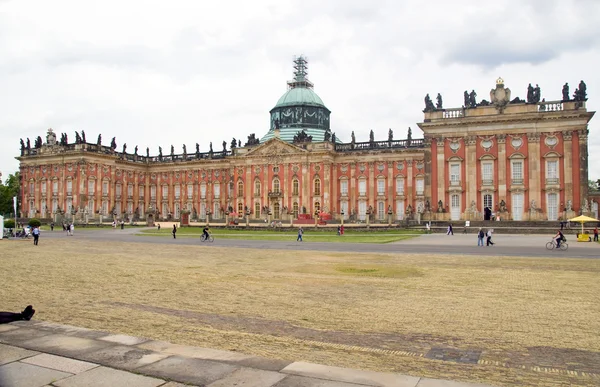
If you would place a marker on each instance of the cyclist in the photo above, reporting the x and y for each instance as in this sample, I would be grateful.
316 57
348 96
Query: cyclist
558 238
205 233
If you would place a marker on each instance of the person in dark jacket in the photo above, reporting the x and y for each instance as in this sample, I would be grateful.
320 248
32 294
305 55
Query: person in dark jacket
8 317
174 231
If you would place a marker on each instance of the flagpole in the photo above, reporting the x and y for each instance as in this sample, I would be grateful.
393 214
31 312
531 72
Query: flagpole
15 207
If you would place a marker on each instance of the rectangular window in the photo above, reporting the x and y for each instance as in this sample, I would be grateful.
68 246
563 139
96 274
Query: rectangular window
130 190
55 187
344 187
400 186
165 191
31 188
487 173
141 189
118 190
69 205
362 187
217 191
454 174
203 191
190 191
69 187
177 191
153 192
380 187
381 210
517 172
345 210
43 187
105 188
420 186
118 208
399 210
91 187
552 172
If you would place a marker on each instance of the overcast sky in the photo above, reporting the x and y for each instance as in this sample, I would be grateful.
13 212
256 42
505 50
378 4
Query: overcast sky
156 73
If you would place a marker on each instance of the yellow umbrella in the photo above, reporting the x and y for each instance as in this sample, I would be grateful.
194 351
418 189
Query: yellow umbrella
582 219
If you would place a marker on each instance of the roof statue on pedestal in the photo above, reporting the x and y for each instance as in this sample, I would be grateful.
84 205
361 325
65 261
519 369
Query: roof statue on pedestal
124 147
99 141
233 143
473 99
581 92
51 137
172 151
77 138
160 155
429 107
530 94
390 135
439 103
83 137
135 150
147 152
224 146
113 142
565 92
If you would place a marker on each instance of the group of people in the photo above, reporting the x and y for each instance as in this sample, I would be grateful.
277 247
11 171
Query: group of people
121 224
69 228
481 235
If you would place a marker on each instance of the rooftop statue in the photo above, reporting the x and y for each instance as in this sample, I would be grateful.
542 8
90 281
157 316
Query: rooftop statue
352 137
210 148
135 150
77 138
233 143
537 94
147 152
224 146
390 135
83 136
197 148
172 150
51 137
581 92
239 143
530 94
302 137
565 92
28 146
371 136
184 151
429 107
467 101
160 155
473 99
409 136
327 135
124 147
252 140
22 147
99 142
113 143
439 104
333 138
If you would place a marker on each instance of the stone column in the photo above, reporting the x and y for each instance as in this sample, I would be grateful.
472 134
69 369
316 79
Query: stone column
441 164
304 202
470 178
371 188
390 187
533 162
335 196
501 168
286 185
582 169
266 188
326 188
352 189
410 195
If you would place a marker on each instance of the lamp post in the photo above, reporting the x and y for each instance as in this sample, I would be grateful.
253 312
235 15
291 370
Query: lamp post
342 216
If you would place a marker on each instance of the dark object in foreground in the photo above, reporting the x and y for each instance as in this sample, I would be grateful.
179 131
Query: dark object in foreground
8 317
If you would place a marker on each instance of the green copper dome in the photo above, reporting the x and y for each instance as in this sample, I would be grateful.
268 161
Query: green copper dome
299 96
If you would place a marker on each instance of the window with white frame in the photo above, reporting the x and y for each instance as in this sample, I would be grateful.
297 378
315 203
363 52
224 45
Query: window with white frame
177 191
54 205
31 188
399 186
69 187
91 187
203 191
420 186
55 187
257 187
362 187
317 186
69 205
487 176
153 192
130 190
295 186
118 208
552 172
141 189
345 210
240 188
380 186
454 174
344 187
43 186
118 189
276 186
105 188
381 210
165 191
217 190
190 190
517 171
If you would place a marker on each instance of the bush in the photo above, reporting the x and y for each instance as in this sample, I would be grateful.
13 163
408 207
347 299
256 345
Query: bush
34 223
9 223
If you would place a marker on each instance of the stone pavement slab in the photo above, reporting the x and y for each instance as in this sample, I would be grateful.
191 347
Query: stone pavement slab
108 377
8 353
64 345
197 352
6 327
262 363
195 371
350 375
446 383
60 363
27 375
69 330
248 377
123 357
175 384
18 336
301 381
124 339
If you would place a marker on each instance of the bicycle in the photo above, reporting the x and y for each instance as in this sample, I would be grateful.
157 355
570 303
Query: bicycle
552 245
210 238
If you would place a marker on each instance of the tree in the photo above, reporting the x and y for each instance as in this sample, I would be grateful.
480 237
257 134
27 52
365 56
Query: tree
8 190
34 222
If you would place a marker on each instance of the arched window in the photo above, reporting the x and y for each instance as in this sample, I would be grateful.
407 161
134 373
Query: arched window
295 186
276 210
317 186
295 209
257 188
275 185
240 210
240 188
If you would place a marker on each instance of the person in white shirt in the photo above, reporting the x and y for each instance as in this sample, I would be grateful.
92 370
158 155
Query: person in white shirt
489 237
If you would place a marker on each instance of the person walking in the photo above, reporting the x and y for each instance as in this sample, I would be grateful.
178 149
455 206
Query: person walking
450 231
174 232
36 235
596 234
300 233
489 237
480 236
72 228
122 224
339 230
52 226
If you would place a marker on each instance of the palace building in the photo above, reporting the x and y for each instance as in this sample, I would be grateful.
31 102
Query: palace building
513 159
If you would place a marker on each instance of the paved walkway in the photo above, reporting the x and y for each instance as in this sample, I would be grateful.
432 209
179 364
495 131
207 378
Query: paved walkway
37 354
463 244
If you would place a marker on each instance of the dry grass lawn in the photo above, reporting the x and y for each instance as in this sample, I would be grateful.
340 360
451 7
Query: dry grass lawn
531 321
